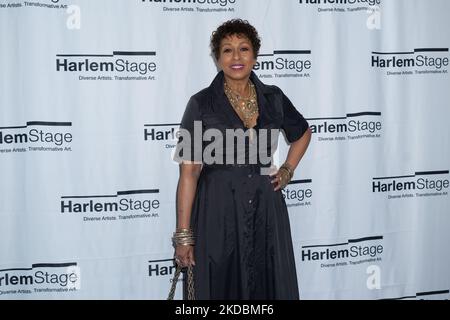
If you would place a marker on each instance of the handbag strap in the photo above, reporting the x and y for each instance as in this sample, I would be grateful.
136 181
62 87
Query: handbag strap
191 290
190 283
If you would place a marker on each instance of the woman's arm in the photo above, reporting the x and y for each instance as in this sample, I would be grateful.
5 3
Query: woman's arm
296 151
187 187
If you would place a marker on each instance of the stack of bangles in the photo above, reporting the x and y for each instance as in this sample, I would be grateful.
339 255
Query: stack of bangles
286 169
183 237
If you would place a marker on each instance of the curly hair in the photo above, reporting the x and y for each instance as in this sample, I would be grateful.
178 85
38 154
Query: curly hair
235 27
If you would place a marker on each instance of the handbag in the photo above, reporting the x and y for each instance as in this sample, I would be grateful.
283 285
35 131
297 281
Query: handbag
190 283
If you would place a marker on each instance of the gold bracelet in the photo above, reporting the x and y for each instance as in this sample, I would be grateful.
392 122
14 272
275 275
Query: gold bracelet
287 167
184 237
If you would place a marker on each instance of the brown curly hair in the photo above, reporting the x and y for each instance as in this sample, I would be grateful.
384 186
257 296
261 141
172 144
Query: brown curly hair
235 27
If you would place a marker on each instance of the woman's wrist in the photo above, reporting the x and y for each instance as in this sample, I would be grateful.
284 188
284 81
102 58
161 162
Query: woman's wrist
183 237
288 168
183 229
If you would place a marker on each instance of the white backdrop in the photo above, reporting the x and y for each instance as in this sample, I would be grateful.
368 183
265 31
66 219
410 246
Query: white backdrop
92 93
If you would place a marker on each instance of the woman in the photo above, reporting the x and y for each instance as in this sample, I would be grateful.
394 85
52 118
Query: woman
233 224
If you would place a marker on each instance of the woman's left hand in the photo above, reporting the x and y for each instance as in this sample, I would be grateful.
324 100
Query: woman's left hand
280 179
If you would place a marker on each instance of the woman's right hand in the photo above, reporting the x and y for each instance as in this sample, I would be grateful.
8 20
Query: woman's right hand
184 256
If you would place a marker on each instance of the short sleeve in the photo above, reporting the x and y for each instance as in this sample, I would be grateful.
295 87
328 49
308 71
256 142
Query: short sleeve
189 145
294 125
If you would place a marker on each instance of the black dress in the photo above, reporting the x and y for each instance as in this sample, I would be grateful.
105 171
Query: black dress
243 239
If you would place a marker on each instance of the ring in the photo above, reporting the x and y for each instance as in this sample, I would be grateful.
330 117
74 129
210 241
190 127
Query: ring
177 260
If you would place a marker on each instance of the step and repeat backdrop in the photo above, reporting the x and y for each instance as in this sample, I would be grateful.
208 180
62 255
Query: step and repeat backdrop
92 93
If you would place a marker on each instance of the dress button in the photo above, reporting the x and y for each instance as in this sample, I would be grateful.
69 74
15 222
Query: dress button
249 175
250 201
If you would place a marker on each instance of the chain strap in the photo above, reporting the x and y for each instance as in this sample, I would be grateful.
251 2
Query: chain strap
190 283
191 290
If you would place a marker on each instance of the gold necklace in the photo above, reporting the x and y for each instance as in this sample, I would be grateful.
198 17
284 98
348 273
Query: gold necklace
246 107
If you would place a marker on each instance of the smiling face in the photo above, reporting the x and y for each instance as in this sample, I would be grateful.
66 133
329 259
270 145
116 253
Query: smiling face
236 58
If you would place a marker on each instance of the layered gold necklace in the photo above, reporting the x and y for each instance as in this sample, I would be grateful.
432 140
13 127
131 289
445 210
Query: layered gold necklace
246 107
